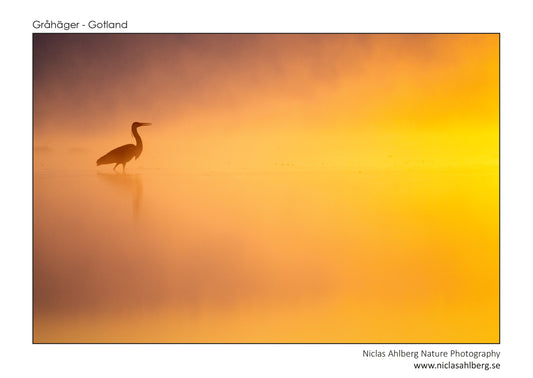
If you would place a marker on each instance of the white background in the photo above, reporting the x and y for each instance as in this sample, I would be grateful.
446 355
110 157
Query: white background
20 358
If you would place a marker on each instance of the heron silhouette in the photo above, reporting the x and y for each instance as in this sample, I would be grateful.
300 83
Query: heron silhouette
123 154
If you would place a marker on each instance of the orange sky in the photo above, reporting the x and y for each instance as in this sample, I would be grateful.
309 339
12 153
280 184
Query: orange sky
230 101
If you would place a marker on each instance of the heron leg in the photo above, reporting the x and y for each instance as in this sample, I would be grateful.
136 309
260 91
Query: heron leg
123 167
114 168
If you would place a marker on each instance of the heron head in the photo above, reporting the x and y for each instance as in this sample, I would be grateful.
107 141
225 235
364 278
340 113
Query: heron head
137 124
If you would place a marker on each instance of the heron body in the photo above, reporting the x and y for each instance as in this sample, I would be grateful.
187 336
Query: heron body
123 154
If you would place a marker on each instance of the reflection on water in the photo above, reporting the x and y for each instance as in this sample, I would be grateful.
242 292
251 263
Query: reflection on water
303 257
126 185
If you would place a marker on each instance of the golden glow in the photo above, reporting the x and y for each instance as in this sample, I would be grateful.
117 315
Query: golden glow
292 188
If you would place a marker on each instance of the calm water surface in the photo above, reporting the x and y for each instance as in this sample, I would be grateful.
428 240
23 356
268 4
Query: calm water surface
355 256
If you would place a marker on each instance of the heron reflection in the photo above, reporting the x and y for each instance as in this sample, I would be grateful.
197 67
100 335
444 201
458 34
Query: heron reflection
130 185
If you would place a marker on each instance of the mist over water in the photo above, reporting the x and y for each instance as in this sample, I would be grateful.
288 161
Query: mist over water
392 256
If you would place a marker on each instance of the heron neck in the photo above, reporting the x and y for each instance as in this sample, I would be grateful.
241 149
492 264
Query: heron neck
137 137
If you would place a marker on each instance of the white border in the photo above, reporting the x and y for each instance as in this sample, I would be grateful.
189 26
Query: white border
21 358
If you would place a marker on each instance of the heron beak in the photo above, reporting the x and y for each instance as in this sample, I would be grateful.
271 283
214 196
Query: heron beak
145 123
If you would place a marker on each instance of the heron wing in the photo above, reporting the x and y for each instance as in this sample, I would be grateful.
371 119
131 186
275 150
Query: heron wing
120 155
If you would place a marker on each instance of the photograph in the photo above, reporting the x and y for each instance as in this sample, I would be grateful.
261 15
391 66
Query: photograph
265 188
